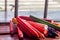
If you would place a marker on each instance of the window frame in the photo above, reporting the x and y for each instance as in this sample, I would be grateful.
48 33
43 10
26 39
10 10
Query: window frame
16 10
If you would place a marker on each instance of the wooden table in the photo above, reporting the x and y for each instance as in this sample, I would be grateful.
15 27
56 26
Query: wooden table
5 29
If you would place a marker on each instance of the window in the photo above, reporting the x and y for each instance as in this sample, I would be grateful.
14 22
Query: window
9 13
2 9
54 10
31 7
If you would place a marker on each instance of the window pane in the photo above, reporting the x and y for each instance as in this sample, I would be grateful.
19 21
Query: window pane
2 3
54 10
31 7
9 13
10 8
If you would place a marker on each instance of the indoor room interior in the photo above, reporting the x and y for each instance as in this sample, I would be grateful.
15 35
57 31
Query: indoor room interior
29 19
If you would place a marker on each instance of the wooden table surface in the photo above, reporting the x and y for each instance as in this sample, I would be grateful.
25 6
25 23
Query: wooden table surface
5 29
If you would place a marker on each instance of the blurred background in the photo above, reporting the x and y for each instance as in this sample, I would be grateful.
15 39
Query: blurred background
29 7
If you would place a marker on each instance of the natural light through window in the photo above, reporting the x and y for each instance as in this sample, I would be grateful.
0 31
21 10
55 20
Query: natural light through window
30 7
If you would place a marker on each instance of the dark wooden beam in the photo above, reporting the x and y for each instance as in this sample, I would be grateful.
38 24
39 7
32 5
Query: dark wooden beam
4 23
5 9
16 8
4 33
46 9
